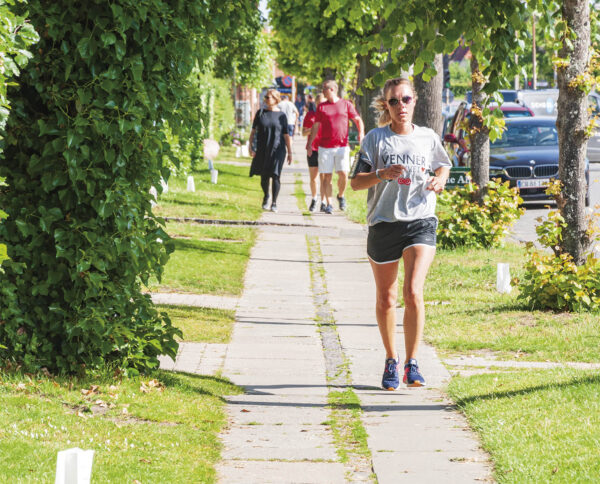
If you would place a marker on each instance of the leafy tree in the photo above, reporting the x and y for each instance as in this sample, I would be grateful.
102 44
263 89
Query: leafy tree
16 35
244 53
321 38
84 144
573 123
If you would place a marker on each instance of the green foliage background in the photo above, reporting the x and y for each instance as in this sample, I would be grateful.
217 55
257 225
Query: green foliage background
83 145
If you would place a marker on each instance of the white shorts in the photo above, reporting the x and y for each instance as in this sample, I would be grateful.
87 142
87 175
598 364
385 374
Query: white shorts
334 157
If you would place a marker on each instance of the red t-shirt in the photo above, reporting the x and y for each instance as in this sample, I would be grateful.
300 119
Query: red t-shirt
308 122
334 122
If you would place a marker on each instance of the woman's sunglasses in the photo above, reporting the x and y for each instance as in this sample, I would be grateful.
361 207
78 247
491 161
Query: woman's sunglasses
405 99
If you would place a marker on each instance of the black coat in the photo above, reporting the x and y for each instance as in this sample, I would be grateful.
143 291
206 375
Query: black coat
270 128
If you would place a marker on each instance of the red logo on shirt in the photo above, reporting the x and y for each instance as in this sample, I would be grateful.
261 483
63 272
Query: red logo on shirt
403 181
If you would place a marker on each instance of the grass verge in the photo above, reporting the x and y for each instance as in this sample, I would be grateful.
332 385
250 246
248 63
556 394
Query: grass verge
227 153
300 196
236 196
160 429
465 313
345 421
539 426
208 259
203 325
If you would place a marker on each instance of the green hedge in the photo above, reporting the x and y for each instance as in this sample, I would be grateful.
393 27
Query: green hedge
84 144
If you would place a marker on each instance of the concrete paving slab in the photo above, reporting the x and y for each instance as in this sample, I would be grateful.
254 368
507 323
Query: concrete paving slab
279 442
269 472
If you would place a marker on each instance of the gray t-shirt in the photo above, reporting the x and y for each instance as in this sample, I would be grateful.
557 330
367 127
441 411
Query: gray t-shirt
407 197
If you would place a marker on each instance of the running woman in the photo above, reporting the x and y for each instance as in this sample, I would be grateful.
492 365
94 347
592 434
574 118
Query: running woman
395 163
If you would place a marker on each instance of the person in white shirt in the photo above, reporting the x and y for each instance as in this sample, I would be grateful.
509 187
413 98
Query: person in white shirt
291 112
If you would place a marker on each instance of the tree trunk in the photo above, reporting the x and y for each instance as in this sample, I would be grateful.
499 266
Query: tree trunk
428 110
480 140
366 71
571 123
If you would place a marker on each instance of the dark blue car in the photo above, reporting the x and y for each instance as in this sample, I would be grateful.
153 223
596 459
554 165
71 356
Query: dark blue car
527 156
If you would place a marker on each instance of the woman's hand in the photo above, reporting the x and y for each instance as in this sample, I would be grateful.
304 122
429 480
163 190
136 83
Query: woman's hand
391 172
289 158
252 153
437 184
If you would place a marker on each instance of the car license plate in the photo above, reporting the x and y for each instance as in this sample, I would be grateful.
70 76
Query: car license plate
533 183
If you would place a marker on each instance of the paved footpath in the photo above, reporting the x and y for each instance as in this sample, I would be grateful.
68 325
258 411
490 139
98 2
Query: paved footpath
316 271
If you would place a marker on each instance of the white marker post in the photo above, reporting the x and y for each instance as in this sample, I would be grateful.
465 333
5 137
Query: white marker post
74 466
503 278
154 194
191 187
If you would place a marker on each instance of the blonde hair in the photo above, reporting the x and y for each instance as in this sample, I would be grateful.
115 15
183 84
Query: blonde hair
379 104
320 98
275 93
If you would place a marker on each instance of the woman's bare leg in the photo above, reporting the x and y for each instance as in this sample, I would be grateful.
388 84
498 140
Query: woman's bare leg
417 260
314 173
386 282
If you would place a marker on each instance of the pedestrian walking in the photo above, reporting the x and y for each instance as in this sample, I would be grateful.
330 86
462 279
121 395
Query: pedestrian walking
313 160
300 105
395 163
270 126
331 125
291 112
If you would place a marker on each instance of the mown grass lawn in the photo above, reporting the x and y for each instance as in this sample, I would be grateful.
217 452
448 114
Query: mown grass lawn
236 196
161 428
539 426
208 259
203 325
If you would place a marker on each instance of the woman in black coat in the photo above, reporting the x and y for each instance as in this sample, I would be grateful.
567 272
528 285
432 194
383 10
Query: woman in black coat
271 128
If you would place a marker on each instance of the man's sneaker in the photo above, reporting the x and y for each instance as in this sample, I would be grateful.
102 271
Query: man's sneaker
274 207
265 204
323 207
412 375
313 205
342 202
391 378
329 209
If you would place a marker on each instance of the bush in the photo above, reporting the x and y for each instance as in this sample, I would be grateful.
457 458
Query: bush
84 143
464 222
552 280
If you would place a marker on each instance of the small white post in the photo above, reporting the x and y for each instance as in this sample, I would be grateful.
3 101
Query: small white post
191 187
164 185
238 152
154 194
245 150
214 175
74 466
503 278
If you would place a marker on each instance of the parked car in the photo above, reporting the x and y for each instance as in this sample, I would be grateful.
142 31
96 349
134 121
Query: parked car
527 156
454 135
513 110
544 102
508 95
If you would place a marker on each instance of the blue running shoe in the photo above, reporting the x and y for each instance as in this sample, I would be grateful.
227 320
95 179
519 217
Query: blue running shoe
391 378
412 375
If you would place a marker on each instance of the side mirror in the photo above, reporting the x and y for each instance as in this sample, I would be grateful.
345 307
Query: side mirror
450 138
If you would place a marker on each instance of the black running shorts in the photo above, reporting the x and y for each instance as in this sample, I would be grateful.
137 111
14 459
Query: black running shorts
313 160
387 240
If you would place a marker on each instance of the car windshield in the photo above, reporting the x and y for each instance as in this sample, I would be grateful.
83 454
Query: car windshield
527 135
517 114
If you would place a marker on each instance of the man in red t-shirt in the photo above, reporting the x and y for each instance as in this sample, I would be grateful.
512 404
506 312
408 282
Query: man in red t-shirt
313 159
331 124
